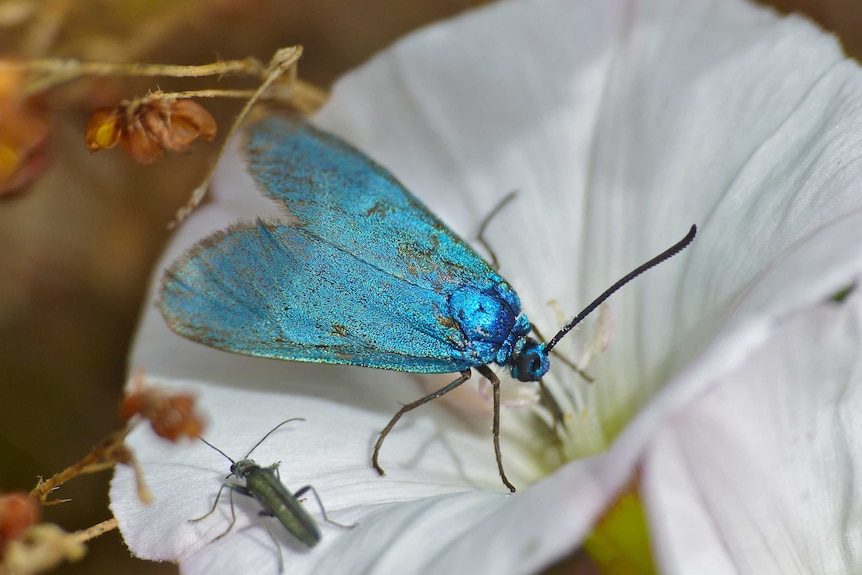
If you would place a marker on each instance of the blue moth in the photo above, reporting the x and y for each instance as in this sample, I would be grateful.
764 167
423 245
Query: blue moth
358 272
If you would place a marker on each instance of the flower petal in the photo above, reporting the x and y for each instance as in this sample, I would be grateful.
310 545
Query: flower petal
759 476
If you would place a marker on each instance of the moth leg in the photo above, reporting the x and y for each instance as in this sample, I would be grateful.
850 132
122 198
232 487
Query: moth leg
465 375
548 398
481 236
495 383
574 367
311 488
552 405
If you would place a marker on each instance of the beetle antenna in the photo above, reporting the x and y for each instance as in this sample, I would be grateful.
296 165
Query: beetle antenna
217 449
270 432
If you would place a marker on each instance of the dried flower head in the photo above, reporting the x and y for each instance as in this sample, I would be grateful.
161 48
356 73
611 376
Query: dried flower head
23 131
145 128
18 512
172 415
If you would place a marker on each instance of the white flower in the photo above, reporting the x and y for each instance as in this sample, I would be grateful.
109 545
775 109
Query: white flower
726 376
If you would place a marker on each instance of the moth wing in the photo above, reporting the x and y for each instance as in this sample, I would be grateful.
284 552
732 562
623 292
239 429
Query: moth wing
339 194
273 290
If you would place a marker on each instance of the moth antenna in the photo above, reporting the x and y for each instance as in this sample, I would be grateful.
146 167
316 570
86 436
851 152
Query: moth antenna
668 253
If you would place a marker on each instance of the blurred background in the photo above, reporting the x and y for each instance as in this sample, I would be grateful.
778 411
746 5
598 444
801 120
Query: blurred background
77 246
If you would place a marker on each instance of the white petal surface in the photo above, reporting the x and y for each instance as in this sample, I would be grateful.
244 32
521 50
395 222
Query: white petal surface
619 124
761 475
